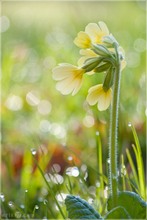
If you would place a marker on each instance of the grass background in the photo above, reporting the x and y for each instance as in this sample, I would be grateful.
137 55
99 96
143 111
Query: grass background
36 36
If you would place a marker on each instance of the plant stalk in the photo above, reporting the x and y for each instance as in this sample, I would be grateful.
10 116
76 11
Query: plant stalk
113 147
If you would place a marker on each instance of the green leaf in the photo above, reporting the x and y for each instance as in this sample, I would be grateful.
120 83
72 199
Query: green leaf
138 154
118 213
80 209
133 204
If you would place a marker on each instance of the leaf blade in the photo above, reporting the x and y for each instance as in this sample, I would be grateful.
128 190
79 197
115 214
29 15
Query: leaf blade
80 209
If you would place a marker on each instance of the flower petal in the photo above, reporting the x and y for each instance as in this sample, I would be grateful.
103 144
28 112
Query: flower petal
65 86
92 30
88 53
105 100
94 94
78 85
69 77
103 27
62 71
96 87
82 60
82 40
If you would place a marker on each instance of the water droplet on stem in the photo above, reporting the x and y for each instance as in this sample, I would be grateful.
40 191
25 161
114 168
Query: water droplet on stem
10 204
2 197
129 124
33 151
36 207
97 133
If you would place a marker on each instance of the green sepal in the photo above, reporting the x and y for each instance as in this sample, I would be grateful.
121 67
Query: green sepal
80 209
102 67
110 40
118 213
91 63
108 81
101 50
132 203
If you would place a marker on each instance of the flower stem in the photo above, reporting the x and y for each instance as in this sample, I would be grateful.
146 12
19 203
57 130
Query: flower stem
113 170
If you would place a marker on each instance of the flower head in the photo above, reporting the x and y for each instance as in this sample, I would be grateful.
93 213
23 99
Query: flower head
69 78
93 34
97 94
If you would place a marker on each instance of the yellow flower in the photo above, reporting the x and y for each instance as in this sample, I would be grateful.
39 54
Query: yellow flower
83 40
93 35
97 94
69 78
97 32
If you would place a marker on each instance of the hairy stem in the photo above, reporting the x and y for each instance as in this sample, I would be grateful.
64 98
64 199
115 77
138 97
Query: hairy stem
113 170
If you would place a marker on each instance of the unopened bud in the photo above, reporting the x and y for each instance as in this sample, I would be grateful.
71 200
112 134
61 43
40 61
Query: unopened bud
109 40
108 82
101 50
91 63
103 67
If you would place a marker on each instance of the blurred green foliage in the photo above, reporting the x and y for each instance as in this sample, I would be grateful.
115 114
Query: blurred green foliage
36 36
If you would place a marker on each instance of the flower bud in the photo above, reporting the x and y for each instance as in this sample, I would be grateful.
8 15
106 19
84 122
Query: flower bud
102 67
91 63
101 50
109 40
108 82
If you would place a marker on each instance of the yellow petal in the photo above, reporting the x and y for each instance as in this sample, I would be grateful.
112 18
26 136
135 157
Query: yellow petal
104 100
103 28
71 80
62 71
65 86
82 40
77 87
96 87
94 93
92 30
88 53
82 60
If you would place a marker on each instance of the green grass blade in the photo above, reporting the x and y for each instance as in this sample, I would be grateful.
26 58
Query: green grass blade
49 187
133 168
140 167
123 170
99 161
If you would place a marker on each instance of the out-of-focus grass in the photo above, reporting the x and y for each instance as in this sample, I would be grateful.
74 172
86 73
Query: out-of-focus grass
36 36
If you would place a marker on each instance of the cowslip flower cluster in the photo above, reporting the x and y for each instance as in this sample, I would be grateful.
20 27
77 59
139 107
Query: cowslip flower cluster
98 54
